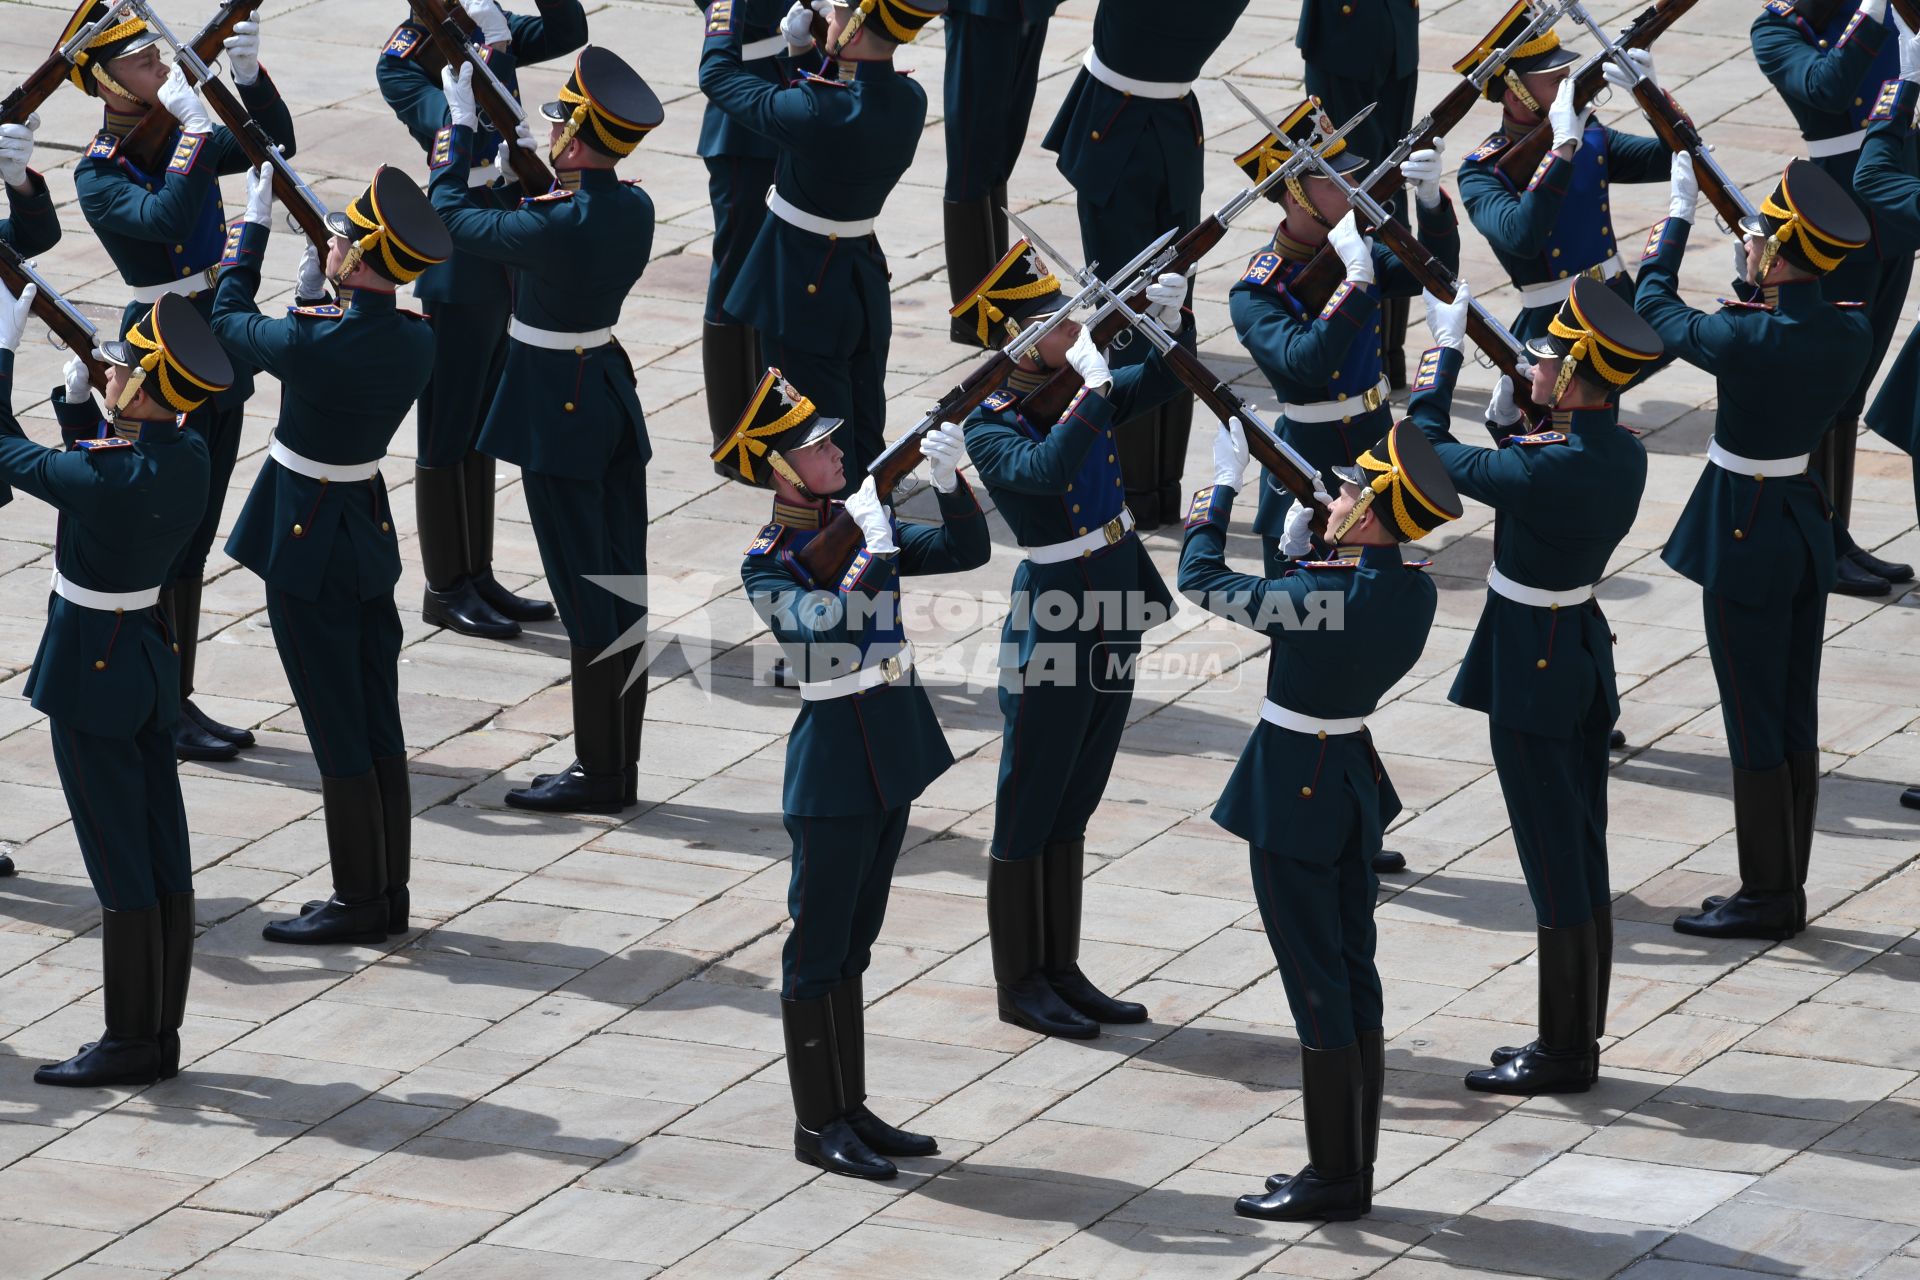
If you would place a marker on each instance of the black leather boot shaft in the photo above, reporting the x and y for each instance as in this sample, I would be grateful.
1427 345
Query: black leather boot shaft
176 975
997 205
1803 772
1603 965
729 359
451 599
595 783
1333 1186
1768 904
132 964
847 1005
1026 998
821 1134
1564 1058
396 822
1373 1092
1064 877
357 854
477 479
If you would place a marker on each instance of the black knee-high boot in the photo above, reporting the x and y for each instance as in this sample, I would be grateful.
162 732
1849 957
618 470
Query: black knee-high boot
176 975
1065 863
132 966
594 782
1015 932
1562 1059
451 599
1333 1186
477 475
849 1010
1764 828
357 851
821 1134
196 735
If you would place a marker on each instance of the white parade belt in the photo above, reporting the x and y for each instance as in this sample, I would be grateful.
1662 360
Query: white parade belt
188 285
1538 597
771 47
1273 713
1072 549
1845 144
483 176
1107 76
885 671
280 453
1758 468
557 340
1556 291
105 601
785 210
1339 410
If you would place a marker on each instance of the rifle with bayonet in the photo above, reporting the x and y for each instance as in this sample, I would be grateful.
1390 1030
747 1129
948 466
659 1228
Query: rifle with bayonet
502 109
144 145
827 554
74 331
1295 473
1048 401
1522 157
1492 337
289 188
1316 281
1675 129
50 74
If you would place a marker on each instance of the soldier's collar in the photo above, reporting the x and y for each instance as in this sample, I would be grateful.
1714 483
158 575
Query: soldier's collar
1023 381
1378 557
120 123
1289 248
1569 420
807 516
848 70
568 179
376 302
162 431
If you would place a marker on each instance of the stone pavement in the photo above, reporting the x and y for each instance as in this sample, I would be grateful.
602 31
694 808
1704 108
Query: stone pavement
572 1070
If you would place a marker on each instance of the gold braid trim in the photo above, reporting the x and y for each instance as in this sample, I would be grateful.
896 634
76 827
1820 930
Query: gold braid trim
1518 87
989 315
747 442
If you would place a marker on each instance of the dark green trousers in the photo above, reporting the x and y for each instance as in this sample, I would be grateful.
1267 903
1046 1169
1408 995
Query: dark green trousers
737 189
342 659
1556 794
1057 748
837 897
124 794
220 428
1319 919
593 528
993 71
469 351
1766 660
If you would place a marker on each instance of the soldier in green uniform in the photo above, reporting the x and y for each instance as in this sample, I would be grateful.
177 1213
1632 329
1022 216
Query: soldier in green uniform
740 168
993 70
815 281
1755 534
130 493
1068 678
318 526
1130 140
1559 226
1540 664
164 231
31 226
468 300
1361 52
1828 59
864 745
1310 796
1887 182
566 413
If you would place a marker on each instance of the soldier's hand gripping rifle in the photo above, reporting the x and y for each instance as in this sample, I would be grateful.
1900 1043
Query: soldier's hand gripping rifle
502 109
74 331
1317 280
150 135
1295 473
289 188
1674 128
1492 337
1050 399
1522 157
827 554
26 98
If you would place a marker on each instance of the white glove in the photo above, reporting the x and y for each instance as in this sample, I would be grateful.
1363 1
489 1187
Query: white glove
1085 359
1448 320
523 137
458 86
1355 250
486 15
1874 9
13 315
259 196
1423 168
312 281
1617 75
1910 57
1503 410
183 104
797 27
1165 298
79 385
944 448
1231 455
1296 537
243 52
16 148
1569 120
876 524
1683 189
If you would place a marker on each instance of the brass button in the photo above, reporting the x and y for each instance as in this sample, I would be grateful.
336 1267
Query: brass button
1556 253
833 237
1739 534
1859 102
1306 791
385 527
1110 458
1083 528
324 482
1541 664
1343 395
118 612
1116 482
1096 135
1346 9
186 271
180 248
1076 510
579 351
568 406
1323 735
1336 374
1563 275
1823 44
299 532
100 664
813 288
176 648
1070 487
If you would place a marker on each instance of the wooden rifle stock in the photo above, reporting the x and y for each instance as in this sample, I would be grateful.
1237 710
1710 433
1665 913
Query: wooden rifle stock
145 145
827 554
1677 131
450 36
256 143
35 89
1909 11
1523 157
1050 399
53 312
